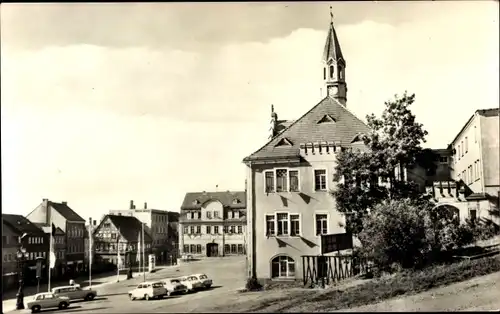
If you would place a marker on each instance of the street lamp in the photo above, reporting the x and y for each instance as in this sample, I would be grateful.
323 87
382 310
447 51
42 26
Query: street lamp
22 256
128 255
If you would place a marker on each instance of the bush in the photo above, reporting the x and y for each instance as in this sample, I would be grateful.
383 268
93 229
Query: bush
253 284
395 233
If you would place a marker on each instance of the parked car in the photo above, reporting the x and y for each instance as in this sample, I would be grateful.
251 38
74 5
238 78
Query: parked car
47 300
148 290
75 293
203 279
192 283
174 286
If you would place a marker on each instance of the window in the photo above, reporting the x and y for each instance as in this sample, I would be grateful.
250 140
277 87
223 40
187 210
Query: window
294 225
240 229
281 180
341 73
464 176
320 180
209 229
270 231
443 159
230 214
294 180
324 73
240 249
233 249
186 248
225 228
473 214
216 214
227 248
216 229
469 174
232 229
475 134
331 71
236 214
458 152
321 224
209 215
282 220
269 175
193 248
462 143
466 144
191 229
282 267
198 248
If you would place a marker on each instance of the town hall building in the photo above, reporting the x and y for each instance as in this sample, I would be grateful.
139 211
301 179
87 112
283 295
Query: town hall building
289 179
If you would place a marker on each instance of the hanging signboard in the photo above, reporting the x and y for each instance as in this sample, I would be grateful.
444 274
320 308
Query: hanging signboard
335 242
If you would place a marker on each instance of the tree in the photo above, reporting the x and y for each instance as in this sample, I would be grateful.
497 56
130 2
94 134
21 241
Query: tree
394 142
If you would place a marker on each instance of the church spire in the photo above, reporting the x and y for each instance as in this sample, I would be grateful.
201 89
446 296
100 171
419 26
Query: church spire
334 66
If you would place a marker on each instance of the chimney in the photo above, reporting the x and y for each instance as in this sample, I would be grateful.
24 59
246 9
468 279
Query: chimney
45 205
145 205
274 123
65 203
132 204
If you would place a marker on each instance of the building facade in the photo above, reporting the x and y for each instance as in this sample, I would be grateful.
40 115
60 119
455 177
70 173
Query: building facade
34 241
118 234
162 226
289 179
59 244
213 224
73 226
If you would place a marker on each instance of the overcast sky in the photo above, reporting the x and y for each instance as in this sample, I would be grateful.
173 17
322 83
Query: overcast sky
105 103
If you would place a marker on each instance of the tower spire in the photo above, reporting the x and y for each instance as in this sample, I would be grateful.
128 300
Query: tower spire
334 66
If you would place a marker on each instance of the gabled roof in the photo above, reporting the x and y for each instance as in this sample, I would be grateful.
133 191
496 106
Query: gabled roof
21 224
195 200
129 226
47 229
66 211
306 130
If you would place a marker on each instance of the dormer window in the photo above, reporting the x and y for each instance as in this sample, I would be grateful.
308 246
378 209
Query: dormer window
284 142
357 138
236 201
327 119
196 202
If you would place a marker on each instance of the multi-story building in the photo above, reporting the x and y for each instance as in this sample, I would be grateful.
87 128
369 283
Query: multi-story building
213 224
467 177
289 178
62 216
59 244
34 241
161 225
117 234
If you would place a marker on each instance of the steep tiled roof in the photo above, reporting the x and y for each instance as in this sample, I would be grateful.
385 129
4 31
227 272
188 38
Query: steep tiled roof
195 200
46 228
130 227
307 129
66 211
21 224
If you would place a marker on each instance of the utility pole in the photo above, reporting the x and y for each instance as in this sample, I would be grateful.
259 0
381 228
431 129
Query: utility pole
90 252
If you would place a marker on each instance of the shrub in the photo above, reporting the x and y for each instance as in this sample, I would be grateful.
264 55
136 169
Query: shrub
395 233
253 284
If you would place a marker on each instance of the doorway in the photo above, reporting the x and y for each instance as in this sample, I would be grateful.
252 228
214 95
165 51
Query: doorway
212 249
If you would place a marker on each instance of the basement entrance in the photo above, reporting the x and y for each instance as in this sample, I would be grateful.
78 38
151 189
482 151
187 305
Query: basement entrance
212 249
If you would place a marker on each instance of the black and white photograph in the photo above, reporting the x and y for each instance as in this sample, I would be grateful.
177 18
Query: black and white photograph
220 157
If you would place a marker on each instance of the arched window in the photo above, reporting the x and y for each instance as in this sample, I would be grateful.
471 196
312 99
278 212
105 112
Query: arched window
331 71
324 73
283 267
341 73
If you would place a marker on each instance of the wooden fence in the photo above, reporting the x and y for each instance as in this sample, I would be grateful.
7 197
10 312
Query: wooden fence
326 269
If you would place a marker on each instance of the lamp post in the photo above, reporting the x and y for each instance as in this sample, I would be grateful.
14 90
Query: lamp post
128 255
22 255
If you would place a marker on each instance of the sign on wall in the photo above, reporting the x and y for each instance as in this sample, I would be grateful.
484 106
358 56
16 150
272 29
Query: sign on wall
335 242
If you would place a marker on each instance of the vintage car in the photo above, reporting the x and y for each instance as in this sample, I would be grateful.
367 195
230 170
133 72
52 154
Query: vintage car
47 300
204 280
148 290
192 283
174 286
75 293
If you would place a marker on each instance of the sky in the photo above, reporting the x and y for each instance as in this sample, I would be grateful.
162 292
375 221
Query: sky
106 103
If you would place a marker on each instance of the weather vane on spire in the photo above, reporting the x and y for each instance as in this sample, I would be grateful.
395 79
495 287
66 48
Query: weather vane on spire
331 15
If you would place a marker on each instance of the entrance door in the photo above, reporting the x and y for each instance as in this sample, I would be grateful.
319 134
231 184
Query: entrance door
212 249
